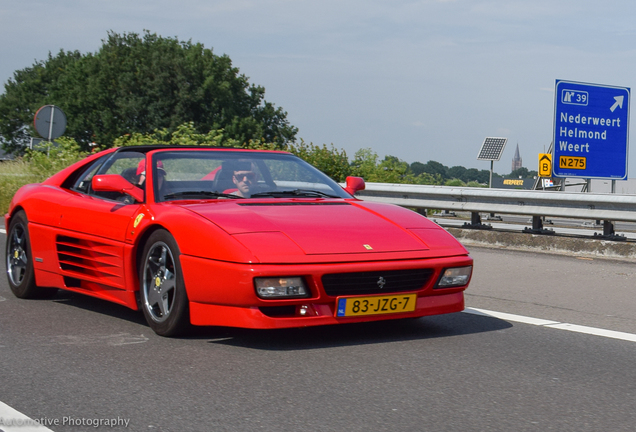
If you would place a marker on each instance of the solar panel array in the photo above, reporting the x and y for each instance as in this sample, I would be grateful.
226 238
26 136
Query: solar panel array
492 149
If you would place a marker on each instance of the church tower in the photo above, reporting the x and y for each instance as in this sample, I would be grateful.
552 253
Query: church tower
516 161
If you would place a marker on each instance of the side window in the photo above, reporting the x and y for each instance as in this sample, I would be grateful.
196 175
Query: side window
125 164
83 182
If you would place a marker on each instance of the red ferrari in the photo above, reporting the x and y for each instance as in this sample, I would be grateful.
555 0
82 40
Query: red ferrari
227 237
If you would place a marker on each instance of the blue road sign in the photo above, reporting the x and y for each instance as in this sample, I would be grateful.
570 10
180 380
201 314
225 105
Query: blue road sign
591 130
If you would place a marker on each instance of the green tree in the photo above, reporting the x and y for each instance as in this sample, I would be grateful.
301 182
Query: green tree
25 93
484 176
458 172
523 172
417 168
364 164
184 134
139 84
433 168
394 170
331 161
367 164
466 175
454 182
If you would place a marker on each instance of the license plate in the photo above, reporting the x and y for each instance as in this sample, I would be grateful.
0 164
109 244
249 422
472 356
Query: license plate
375 305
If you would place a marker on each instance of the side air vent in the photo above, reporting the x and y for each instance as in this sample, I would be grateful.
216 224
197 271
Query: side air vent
90 261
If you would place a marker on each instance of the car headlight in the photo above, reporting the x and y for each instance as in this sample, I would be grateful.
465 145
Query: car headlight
281 287
454 277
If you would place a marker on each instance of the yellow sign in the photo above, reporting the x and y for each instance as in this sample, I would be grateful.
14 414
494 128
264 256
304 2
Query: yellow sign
138 219
513 182
545 165
572 162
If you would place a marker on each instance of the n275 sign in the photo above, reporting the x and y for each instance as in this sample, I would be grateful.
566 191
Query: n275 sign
591 130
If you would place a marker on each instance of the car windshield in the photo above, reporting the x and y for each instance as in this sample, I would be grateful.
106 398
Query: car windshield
210 174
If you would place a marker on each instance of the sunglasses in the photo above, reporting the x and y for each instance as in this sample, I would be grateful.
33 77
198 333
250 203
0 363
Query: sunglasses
250 176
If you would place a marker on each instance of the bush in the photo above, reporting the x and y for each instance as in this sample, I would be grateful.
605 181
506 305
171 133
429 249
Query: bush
14 175
50 159
184 134
35 167
476 184
366 164
331 161
455 182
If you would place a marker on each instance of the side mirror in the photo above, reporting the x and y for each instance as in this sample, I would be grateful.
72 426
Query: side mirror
354 184
116 183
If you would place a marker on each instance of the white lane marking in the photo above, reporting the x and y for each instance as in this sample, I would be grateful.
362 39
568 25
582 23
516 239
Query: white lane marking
113 340
12 420
630 337
510 317
3 231
595 331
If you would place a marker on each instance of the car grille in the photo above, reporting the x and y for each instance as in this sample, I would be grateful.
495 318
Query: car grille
376 282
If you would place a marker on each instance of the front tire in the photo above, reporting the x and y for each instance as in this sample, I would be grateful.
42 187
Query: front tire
164 301
20 273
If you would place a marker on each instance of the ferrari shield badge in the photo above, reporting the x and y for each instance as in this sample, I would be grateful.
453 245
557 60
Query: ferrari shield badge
138 219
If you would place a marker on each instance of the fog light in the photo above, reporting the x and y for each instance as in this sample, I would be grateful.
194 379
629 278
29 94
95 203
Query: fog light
281 287
454 277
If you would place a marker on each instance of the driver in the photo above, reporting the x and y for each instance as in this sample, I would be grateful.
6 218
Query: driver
243 178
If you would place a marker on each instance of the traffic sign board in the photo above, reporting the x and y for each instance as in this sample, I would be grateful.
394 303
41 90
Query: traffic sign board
50 122
545 164
591 130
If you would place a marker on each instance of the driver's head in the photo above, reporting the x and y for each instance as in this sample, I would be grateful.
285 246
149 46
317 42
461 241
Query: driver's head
243 177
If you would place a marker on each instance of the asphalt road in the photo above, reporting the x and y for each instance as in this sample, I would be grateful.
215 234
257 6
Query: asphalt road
78 358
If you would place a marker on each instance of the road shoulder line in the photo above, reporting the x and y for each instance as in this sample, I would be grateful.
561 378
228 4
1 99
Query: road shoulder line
630 337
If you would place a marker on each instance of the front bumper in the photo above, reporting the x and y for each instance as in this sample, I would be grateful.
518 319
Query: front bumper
223 294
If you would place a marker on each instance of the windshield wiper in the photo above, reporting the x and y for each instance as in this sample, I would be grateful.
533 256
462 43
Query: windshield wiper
293 193
199 194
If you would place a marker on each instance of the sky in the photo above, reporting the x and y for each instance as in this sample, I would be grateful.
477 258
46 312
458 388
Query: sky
420 80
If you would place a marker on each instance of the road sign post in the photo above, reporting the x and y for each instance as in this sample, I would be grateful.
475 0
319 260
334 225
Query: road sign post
591 130
50 122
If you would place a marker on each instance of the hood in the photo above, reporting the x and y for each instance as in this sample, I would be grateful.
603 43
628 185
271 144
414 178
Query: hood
318 227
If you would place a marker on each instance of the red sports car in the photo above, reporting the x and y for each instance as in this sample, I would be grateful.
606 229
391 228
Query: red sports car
227 237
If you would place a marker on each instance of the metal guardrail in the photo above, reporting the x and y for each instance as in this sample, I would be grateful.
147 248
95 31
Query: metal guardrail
538 204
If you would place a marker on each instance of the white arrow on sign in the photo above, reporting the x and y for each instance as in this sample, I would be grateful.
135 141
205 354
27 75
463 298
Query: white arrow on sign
618 103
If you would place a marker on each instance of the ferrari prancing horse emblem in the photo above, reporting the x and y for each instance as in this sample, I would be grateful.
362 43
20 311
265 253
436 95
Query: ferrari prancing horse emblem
138 219
381 282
